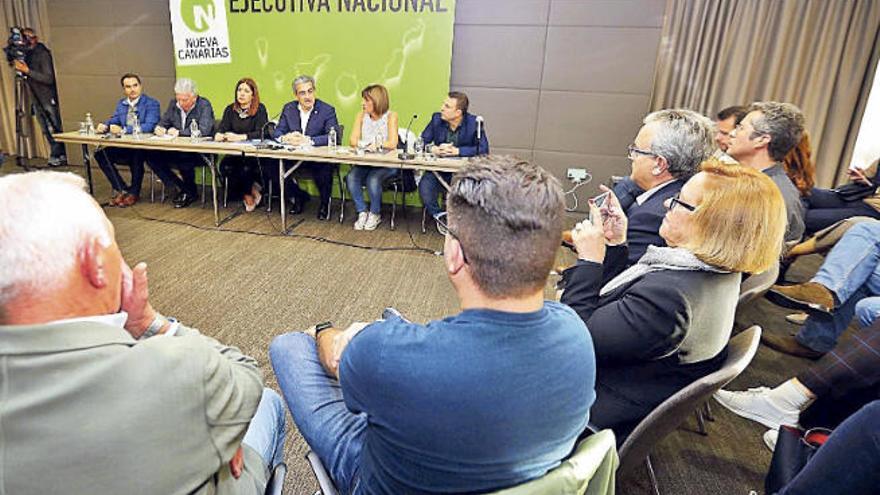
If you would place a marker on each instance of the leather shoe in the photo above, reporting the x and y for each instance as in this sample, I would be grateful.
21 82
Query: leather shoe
789 345
183 200
298 202
811 296
127 200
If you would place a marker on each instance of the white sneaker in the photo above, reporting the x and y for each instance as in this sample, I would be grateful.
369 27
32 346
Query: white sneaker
361 221
770 437
755 405
373 221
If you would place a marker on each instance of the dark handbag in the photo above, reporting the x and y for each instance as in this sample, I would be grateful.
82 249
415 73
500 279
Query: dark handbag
855 191
794 449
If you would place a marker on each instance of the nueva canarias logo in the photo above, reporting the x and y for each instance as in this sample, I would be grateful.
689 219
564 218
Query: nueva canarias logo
198 15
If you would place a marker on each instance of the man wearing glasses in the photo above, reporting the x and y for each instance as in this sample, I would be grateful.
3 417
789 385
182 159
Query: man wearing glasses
666 152
761 140
488 398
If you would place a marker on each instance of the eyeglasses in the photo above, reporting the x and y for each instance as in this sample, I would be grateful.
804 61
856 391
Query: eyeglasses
671 202
632 151
444 228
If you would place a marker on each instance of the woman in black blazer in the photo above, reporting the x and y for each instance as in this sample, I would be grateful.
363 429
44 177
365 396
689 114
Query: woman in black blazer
245 118
665 321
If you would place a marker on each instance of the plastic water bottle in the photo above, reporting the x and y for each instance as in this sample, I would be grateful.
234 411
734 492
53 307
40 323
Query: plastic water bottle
194 132
90 125
331 140
136 127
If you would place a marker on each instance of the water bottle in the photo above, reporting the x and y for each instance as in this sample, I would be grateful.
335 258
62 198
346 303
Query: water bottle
194 132
136 127
331 140
420 147
90 125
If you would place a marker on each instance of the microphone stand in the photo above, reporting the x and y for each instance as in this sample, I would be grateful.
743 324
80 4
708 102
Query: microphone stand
404 154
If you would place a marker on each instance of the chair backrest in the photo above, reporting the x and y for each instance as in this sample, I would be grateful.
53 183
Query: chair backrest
673 411
756 285
589 470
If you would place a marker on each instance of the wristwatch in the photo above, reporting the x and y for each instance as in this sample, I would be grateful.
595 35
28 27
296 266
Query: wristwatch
320 327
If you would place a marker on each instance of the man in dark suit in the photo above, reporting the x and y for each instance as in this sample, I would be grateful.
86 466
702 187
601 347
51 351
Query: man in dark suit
667 151
308 118
453 132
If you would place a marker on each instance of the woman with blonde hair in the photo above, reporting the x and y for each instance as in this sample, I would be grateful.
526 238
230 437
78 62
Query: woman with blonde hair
665 321
375 128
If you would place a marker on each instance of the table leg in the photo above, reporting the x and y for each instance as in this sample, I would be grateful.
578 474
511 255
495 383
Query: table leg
87 162
282 175
209 162
281 196
440 178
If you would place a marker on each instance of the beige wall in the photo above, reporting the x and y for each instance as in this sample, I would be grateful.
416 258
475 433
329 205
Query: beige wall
565 82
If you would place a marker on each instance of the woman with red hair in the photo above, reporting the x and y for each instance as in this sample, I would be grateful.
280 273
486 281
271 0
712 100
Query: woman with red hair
243 119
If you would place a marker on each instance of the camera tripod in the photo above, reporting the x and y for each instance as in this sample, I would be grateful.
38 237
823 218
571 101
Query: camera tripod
20 114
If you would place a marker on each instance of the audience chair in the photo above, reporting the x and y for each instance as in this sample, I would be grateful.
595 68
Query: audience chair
673 411
276 480
589 470
325 484
756 285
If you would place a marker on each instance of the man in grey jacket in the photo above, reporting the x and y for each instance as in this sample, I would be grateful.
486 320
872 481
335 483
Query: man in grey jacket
100 393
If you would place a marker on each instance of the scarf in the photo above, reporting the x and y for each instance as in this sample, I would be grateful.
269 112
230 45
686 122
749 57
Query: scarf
656 259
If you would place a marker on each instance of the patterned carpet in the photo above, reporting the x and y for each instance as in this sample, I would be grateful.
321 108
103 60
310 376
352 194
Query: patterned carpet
245 283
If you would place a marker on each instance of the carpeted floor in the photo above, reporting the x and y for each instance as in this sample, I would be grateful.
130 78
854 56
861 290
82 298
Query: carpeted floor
244 283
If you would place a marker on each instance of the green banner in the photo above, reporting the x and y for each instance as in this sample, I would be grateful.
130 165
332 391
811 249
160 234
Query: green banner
406 45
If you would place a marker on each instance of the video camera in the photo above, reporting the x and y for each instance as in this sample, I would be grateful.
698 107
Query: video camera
17 45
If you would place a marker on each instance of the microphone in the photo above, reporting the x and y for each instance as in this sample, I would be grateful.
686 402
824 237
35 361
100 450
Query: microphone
404 153
479 132
272 121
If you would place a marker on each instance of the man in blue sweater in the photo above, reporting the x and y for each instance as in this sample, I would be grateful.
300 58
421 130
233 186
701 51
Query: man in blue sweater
134 108
488 398
666 152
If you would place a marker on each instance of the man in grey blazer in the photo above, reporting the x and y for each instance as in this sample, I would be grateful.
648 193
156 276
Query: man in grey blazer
99 393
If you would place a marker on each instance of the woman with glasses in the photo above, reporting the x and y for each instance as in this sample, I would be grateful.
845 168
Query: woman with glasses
665 321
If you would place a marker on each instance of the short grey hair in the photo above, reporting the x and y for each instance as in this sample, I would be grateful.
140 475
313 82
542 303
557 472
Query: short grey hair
303 79
683 137
783 122
185 85
45 218
507 214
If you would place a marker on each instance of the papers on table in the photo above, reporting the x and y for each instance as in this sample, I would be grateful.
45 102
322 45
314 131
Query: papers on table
163 137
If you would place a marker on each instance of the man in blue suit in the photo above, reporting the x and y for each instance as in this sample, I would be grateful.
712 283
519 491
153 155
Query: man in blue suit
308 118
667 151
453 132
134 107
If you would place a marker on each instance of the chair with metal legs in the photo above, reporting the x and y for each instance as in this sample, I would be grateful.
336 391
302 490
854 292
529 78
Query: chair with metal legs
667 416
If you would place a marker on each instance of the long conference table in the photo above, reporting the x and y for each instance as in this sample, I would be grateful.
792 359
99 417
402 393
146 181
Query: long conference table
289 158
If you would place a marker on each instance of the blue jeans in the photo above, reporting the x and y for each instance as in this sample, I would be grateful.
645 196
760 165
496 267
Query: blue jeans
374 177
852 273
333 432
430 189
266 431
848 463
